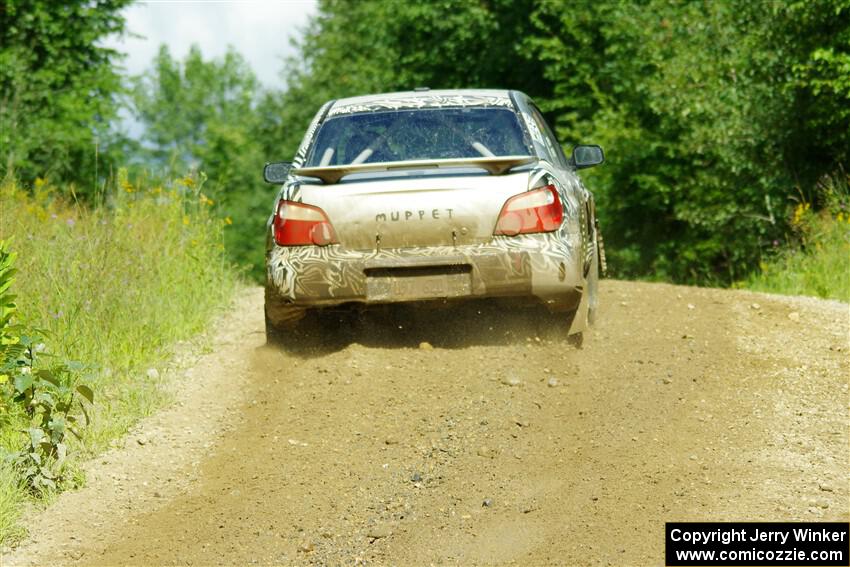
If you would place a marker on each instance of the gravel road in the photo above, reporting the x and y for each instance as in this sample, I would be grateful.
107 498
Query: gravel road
471 436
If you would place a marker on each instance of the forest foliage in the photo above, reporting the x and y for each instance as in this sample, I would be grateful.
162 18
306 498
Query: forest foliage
718 118
59 87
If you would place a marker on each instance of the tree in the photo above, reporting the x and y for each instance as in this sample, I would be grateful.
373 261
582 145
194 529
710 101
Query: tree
58 85
202 115
714 115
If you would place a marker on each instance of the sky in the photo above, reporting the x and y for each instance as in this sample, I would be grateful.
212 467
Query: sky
259 29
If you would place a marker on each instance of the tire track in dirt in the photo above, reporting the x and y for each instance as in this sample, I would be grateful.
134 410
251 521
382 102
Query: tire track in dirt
500 444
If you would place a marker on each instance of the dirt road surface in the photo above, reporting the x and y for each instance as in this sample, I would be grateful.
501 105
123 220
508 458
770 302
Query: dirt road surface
491 444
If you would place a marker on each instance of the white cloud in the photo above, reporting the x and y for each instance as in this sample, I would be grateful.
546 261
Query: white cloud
260 30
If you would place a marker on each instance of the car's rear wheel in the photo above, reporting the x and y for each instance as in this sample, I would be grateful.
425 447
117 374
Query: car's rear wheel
275 335
281 319
298 329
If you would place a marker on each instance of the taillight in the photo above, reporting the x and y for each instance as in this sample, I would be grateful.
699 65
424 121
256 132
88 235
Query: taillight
297 224
539 210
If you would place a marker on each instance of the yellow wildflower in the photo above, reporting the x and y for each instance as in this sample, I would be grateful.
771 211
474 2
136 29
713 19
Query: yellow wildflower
228 220
798 212
186 220
186 181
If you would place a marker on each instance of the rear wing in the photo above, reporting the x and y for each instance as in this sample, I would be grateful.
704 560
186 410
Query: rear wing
493 166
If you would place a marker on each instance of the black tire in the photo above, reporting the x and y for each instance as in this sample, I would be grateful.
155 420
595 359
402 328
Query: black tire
282 319
306 330
275 336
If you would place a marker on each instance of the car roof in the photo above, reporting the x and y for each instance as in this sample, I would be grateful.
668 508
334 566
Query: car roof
422 99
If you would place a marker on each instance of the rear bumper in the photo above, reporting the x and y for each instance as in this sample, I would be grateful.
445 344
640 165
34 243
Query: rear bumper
545 267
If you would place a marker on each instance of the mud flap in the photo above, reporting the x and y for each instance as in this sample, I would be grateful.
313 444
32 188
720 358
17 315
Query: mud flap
585 313
579 323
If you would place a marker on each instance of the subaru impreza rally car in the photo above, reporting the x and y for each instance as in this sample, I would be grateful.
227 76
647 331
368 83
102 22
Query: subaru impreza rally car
431 196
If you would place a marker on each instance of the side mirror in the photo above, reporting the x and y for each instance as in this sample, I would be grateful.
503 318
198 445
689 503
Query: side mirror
587 156
276 172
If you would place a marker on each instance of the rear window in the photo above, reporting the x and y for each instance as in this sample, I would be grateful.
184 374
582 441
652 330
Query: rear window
435 133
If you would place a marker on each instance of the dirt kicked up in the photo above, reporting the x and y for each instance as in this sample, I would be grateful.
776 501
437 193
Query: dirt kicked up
467 437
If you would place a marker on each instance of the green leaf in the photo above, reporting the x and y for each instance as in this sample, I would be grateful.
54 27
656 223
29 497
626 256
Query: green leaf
44 398
47 376
23 382
11 352
57 428
36 435
87 393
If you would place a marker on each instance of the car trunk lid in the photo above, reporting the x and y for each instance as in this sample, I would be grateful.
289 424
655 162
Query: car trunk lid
407 210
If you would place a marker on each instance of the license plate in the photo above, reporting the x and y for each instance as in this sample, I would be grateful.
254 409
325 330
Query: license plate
418 287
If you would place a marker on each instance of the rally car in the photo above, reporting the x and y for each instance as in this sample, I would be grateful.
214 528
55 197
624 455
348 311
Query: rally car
431 196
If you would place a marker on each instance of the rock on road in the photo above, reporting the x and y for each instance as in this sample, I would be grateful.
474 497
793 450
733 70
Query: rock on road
491 444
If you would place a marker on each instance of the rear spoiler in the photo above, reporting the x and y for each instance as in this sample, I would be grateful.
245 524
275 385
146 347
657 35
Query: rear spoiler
493 165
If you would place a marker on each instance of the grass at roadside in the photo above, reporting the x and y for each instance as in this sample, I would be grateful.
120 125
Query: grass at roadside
817 260
114 286
822 269
12 497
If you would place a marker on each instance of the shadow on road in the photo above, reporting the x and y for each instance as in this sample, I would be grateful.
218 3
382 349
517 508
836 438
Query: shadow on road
451 326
